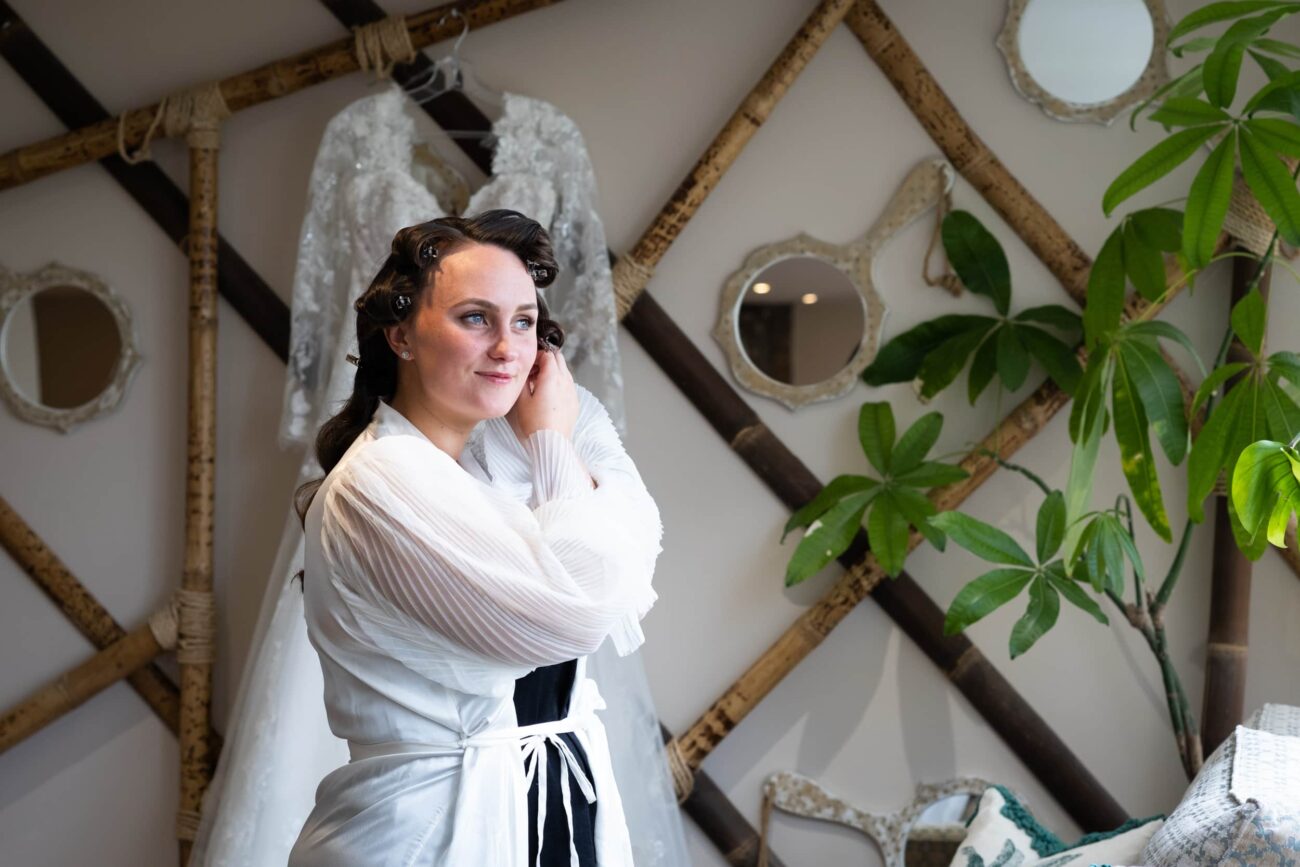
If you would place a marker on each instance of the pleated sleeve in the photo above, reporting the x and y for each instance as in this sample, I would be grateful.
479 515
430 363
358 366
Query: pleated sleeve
443 570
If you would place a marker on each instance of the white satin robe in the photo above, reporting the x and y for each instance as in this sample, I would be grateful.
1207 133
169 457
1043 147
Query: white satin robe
431 586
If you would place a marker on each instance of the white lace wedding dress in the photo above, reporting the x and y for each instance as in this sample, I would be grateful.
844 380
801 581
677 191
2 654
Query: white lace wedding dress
363 189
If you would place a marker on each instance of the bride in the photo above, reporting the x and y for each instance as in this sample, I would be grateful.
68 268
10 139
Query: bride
453 617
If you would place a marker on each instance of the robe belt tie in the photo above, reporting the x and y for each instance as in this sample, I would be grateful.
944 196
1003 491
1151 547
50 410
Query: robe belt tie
533 740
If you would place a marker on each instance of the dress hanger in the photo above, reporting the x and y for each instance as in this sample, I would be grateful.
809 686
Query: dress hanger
452 74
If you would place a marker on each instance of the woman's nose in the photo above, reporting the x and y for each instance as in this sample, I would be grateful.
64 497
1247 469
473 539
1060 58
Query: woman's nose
503 347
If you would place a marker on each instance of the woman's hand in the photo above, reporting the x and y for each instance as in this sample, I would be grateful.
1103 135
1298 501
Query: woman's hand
549 399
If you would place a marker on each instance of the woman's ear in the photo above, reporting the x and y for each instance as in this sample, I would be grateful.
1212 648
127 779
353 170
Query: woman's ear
396 336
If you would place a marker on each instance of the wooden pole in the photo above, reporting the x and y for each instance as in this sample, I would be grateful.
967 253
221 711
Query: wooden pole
632 271
1229 632
247 89
120 659
82 609
966 151
197 618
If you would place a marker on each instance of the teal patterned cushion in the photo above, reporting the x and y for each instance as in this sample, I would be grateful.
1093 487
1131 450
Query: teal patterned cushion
1003 833
1244 806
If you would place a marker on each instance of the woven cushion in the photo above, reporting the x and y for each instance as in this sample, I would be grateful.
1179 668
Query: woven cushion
1004 834
1244 805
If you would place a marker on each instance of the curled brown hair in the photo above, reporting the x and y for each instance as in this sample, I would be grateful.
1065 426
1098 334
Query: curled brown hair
410 270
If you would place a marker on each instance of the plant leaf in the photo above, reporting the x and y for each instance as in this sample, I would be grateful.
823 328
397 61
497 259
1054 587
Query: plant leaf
827 537
917 509
1051 526
977 257
1078 492
982 368
1144 264
1101 315
900 359
1161 395
931 474
1155 164
1013 358
983 540
838 488
1211 383
1258 479
1207 202
1281 49
1089 410
1272 185
1185 111
1074 593
984 595
1058 317
1044 607
1223 11
1135 450
1249 318
887 532
1059 360
1282 136
942 365
1161 228
916 442
1164 331
1223 64
876 433
1209 451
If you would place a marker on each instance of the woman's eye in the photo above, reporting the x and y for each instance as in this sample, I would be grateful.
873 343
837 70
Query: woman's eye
528 322
473 316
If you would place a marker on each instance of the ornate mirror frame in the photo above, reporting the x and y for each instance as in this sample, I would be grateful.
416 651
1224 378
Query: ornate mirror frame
924 187
16 288
1154 75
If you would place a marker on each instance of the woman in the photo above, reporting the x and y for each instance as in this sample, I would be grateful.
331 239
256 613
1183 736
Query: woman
452 616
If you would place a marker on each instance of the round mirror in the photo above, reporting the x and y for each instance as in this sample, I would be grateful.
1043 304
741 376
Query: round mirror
1086 51
61 347
66 349
801 320
1086 59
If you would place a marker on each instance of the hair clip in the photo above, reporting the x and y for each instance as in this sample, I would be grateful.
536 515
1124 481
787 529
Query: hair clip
428 252
536 271
352 358
401 303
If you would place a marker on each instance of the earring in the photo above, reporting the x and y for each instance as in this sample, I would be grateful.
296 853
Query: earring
406 355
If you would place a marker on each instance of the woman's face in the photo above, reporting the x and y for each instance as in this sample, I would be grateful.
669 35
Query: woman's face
473 339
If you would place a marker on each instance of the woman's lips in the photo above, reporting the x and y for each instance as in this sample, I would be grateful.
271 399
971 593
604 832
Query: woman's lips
499 378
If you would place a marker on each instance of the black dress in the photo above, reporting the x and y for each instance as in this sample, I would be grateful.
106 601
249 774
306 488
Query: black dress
542 695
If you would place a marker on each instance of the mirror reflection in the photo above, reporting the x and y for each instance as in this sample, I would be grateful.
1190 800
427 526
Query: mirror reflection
1086 51
61 347
932 841
801 320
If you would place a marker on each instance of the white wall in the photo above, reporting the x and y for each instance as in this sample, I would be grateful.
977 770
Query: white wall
649 84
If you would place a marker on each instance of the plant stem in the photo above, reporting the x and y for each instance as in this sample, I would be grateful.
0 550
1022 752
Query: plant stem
1017 468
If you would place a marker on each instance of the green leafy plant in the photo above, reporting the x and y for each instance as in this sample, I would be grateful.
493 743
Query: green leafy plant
1044 574
935 352
892 503
1250 403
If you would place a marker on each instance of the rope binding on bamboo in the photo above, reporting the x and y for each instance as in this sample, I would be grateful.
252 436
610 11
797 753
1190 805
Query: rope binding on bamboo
683 776
195 113
630 279
198 626
187 824
165 624
383 45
